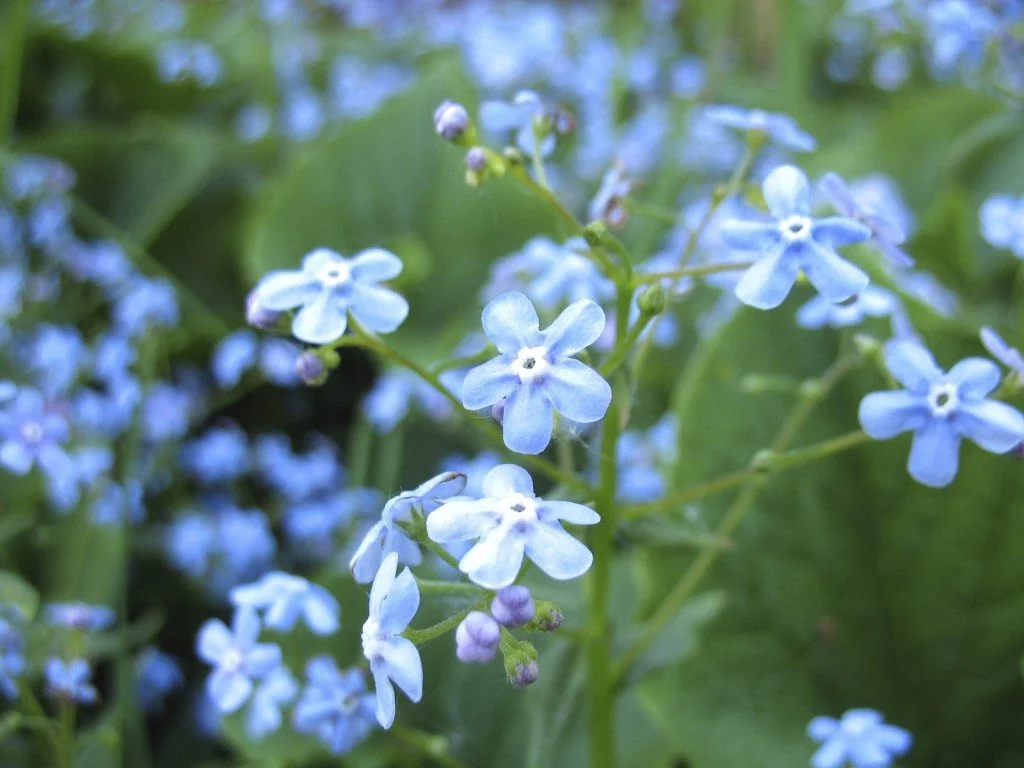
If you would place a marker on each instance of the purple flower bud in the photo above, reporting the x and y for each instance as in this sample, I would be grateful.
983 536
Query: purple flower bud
451 120
526 673
310 368
257 316
476 160
476 639
513 606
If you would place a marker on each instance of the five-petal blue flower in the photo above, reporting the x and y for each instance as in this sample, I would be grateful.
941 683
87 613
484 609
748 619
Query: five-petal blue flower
861 739
335 705
236 657
285 598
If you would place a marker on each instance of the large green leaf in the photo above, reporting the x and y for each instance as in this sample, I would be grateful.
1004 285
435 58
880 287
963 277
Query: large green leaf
849 584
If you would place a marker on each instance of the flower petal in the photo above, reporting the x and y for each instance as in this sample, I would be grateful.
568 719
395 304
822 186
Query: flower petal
404 666
995 426
262 659
228 690
837 231
577 327
749 235
500 116
576 391
528 421
322 320
286 289
379 309
976 377
245 626
838 194
912 366
400 605
511 322
505 480
494 561
834 278
569 511
488 383
886 414
997 214
560 555
367 559
831 755
767 283
820 728
787 192
213 640
382 582
935 454
375 265
385 693
461 520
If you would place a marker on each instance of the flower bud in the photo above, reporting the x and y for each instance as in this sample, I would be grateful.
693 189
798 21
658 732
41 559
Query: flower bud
595 233
451 121
311 369
525 674
476 160
476 639
257 316
547 619
652 300
513 606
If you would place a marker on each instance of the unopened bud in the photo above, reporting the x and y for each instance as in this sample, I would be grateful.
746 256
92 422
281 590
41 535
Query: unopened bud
525 674
451 121
513 606
257 316
311 369
476 160
652 300
595 233
513 156
477 638
547 619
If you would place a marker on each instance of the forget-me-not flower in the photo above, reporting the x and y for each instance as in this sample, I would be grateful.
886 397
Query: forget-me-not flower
236 657
69 681
886 230
285 598
795 242
861 739
156 676
520 115
873 301
81 616
275 691
329 287
393 658
386 536
782 129
535 373
31 434
1002 223
336 705
510 522
941 409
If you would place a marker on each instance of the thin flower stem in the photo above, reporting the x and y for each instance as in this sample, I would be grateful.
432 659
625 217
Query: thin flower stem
433 587
422 636
14 49
360 448
538 160
463 362
697 271
799 456
625 346
438 550
687 495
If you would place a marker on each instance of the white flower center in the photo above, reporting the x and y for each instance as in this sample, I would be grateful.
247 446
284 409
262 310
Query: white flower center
232 660
32 432
373 638
795 228
943 399
520 512
855 726
335 273
758 119
531 363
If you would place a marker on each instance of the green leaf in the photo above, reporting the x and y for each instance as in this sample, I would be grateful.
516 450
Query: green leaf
16 592
848 584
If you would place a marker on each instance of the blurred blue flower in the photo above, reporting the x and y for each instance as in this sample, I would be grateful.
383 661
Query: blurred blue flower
958 32
157 675
794 242
780 128
284 598
236 657
34 176
276 690
277 362
393 658
535 373
113 359
330 286
861 739
335 705
166 413
925 287
941 409
235 355
146 305
191 542
688 77
32 435
302 112
180 60
12 659
298 476
474 468
874 202
219 455
387 404
311 526
56 355
253 122
1002 223
521 115
81 616
69 681
510 522
871 302
641 458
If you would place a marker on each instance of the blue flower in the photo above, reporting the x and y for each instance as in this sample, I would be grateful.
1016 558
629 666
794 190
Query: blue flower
392 395
166 412
235 355
926 288
298 476
958 34
81 616
941 409
1002 223
35 176
795 242
32 435
474 468
311 526
861 739
69 681
277 362
386 536
180 60
393 658
876 204
335 705
329 286
285 598
219 455
12 659
145 305
156 676
550 274
1003 352
535 374
780 128
520 115
264 716
510 522
236 657
871 302
640 458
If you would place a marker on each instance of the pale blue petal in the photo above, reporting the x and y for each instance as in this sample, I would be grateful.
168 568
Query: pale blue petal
488 383
995 426
379 309
500 116
262 659
837 231
461 520
314 261
886 414
283 290
912 366
814 314
367 559
935 454
321 321
404 666
831 755
997 215
213 640
382 582
505 480
835 189
385 693
869 754
557 553
834 278
576 391
245 626
375 265
975 376
1001 351
228 690
787 192
820 728
528 420
753 236
400 605
576 328
511 322
569 511
321 611
494 562
15 457
895 740
768 282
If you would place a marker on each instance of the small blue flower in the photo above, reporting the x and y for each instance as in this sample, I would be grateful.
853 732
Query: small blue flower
393 658
1002 223
861 739
387 404
12 659
277 362
180 60
520 115
329 286
958 34
145 305
299 476
166 413
780 128
387 537
795 242
476 638
335 705
535 373
880 211
941 409
312 526
285 598
641 457
156 676
236 657
219 455
550 274
32 435
871 302
81 616
34 176
235 355
925 287
510 522
275 691
69 681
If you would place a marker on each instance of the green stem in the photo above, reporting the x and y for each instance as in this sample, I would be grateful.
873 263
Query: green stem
438 550
538 161
799 456
463 362
67 729
697 271
42 723
687 495
421 636
389 459
432 587
625 346
360 448
10 87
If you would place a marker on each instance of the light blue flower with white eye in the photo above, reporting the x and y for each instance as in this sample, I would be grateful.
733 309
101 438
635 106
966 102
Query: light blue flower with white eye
861 739
386 536
519 115
940 409
871 302
31 435
795 242
69 681
535 373
393 658
1003 352
156 676
275 691
1002 223
236 657
336 705
570 277
81 616
510 523
881 212
958 33
780 128
925 287
329 287
285 598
